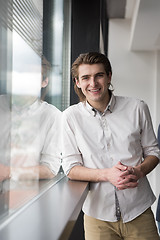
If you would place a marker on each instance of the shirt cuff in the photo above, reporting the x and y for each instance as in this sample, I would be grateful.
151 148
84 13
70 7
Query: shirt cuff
53 163
69 162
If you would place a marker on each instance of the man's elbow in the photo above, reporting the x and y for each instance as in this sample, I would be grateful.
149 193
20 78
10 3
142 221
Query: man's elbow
72 175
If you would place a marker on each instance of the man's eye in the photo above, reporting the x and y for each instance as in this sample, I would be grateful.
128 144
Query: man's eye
100 75
85 78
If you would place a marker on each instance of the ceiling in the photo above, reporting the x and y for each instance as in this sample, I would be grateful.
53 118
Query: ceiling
145 17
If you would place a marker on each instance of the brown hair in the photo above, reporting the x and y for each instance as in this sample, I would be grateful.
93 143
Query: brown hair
88 58
46 68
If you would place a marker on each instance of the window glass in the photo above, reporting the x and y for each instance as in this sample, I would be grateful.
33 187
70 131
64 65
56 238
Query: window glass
5 87
34 69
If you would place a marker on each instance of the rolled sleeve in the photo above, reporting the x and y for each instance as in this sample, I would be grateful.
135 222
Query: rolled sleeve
51 153
148 139
53 163
71 155
71 161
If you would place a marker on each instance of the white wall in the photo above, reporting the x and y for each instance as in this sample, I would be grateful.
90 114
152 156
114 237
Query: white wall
135 74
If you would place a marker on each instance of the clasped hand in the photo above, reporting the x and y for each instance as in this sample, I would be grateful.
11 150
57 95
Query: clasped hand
123 177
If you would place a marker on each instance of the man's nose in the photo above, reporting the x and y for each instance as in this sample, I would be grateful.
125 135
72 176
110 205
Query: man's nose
93 81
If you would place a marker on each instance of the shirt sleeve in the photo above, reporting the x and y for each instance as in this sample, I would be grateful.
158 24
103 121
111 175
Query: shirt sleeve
148 139
51 153
71 155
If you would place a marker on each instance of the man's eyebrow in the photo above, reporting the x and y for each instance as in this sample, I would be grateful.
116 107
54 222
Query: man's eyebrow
86 75
100 73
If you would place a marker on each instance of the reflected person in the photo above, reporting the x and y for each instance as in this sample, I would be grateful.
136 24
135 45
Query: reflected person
5 143
35 150
109 141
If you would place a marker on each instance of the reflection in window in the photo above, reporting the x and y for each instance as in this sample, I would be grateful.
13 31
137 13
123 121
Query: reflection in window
32 69
52 37
34 133
26 72
56 48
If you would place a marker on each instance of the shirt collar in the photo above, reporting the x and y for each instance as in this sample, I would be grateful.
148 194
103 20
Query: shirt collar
109 107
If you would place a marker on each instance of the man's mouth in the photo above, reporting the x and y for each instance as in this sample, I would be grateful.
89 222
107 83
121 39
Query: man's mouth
94 90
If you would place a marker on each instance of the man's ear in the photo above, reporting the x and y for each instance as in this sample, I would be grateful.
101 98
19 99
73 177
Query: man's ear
77 83
44 82
109 77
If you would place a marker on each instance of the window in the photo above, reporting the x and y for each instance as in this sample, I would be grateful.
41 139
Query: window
34 67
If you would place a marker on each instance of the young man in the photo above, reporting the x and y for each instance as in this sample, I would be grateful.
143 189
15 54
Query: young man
31 132
109 141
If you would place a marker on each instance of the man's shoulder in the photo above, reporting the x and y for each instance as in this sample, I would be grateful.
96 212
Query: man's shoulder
49 110
49 106
129 100
74 109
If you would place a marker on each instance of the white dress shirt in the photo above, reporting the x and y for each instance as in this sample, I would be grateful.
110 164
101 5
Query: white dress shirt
30 135
123 133
35 136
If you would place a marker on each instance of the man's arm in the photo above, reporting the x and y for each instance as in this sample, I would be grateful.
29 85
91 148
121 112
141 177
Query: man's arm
114 175
120 176
4 172
32 173
25 173
149 163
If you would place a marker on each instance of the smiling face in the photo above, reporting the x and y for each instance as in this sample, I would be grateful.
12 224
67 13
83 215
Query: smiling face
93 82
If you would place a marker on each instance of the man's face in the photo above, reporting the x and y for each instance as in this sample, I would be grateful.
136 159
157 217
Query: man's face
93 82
